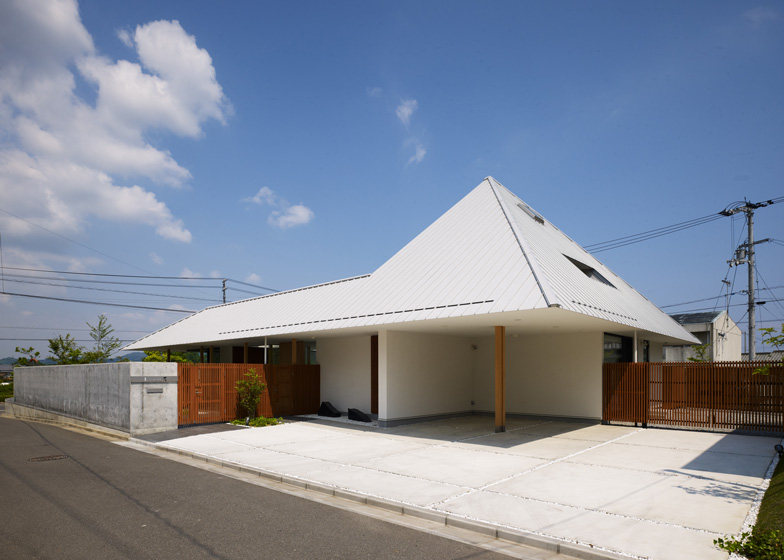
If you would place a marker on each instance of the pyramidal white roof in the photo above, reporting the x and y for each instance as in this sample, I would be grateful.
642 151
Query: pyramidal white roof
490 253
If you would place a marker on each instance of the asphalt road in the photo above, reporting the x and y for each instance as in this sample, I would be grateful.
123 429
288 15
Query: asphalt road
107 501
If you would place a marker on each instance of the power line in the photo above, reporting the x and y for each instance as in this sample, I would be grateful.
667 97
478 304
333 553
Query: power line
99 303
109 290
712 298
112 275
64 329
666 230
47 339
113 282
73 241
251 285
650 234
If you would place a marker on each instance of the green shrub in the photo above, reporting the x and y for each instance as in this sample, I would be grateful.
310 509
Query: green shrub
249 390
759 545
6 391
259 422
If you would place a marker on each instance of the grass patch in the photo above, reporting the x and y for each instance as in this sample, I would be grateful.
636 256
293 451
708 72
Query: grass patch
766 541
771 514
259 422
6 391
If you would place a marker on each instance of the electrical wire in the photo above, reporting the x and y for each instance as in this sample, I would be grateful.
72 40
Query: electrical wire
108 256
112 275
711 298
64 329
650 234
168 296
98 302
114 282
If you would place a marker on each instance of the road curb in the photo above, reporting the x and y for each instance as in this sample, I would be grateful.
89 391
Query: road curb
543 542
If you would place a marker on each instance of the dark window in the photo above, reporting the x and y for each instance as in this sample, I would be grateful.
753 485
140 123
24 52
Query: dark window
617 348
589 271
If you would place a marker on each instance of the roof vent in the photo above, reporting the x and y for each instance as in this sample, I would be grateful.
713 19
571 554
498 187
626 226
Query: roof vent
589 271
537 217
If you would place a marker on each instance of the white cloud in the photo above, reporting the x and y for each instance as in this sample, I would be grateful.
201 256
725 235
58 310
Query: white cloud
188 273
374 91
156 258
125 37
761 15
65 160
296 215
284 214
419 154
405 110
253 278
264 196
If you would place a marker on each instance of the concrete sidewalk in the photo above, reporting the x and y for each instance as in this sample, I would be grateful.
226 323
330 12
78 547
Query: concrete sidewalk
642 493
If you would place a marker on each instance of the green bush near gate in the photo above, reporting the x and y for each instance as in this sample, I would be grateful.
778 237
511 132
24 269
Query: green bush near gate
259 422
249 390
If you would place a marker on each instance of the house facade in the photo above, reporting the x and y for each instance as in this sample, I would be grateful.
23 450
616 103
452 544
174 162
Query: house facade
714 329
490 309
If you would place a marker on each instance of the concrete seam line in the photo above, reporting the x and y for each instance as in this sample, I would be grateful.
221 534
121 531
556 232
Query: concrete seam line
533 469
540 540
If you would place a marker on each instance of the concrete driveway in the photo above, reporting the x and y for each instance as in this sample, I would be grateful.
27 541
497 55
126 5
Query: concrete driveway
645 493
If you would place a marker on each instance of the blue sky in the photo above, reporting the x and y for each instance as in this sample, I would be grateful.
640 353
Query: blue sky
298 142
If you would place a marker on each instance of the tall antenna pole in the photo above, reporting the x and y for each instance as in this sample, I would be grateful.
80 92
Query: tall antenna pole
744 254
223 289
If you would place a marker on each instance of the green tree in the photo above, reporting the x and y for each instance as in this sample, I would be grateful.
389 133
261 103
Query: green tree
105 343
65 350
702 353
771 337
179 357
29 356
249 390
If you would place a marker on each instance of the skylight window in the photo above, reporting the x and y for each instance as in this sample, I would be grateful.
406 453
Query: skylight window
537 217
590 272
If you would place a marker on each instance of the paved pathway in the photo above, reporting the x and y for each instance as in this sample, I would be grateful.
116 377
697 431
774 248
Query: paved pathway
642 493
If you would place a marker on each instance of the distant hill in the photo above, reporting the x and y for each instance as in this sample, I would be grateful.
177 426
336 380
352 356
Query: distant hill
131 357
4 361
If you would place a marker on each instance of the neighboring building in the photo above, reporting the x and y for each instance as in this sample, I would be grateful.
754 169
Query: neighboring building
6 370
490 289
774 356
714 328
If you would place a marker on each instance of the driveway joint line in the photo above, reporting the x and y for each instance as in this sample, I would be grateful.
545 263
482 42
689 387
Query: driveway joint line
538 467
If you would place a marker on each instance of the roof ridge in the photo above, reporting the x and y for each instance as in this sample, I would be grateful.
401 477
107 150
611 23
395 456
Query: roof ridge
541 280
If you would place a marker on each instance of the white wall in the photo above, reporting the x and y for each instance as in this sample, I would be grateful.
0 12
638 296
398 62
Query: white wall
345 371
424 373
553 375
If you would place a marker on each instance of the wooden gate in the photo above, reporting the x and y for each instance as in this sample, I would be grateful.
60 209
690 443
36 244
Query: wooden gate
206 393
713 395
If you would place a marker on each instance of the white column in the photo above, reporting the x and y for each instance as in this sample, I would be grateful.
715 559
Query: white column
634 348
383 396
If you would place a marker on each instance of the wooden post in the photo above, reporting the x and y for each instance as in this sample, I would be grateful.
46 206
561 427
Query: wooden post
201 354
500 381
293 351
245 354
168 354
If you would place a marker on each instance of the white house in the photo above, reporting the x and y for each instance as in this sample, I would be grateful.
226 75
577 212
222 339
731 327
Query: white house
491 308
715 329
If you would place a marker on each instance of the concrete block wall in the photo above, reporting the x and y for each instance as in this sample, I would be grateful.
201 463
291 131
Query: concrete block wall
133 397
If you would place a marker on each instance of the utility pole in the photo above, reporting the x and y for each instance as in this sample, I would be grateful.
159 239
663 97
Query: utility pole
744 254
223 289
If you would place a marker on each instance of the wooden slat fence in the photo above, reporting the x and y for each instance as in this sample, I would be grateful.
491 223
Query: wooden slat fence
206 392
714 395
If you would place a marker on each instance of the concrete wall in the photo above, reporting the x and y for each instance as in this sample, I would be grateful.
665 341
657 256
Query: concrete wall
345 371
552 375
134 397
423 374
